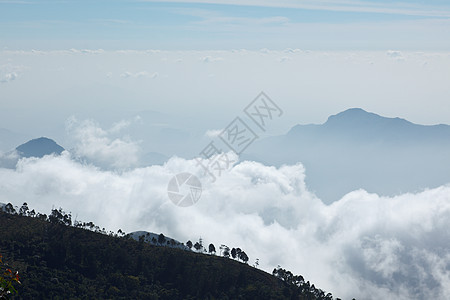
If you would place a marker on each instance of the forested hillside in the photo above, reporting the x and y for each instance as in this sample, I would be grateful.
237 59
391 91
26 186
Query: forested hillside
58 261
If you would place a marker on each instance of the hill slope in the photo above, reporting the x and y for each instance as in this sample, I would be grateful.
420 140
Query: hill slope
61 262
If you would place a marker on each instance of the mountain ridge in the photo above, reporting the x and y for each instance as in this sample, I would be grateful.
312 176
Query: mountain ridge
357 149
352 119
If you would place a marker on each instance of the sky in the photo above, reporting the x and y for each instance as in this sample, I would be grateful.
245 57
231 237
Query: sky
211 24
84 58
112 80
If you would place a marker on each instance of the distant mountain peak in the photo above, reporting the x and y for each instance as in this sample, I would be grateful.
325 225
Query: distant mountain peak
354 110
352 114
39 147
358 116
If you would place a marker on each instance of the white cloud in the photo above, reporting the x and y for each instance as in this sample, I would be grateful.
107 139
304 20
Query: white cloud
213 133
10 72
208 59
397 55
9 159
140 74
284 59
87 51
290 50
103 147
118 126
362 246
8 77
126 74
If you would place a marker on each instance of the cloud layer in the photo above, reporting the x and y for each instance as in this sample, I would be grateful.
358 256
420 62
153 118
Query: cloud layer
104 148
362 246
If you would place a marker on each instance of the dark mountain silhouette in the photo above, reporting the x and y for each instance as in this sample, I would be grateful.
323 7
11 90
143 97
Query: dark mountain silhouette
34 148
357 149
39 148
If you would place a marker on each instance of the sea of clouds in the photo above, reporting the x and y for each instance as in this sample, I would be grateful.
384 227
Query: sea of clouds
362 246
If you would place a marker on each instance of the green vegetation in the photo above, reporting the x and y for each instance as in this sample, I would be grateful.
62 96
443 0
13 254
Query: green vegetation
7 280
58 260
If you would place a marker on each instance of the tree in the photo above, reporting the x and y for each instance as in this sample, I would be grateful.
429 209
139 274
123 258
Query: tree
189 244
244 257
238 253
42 217
226 251
197 246
200 241
161 239
233 253
141 238
309 290
256 264
9 208
23 211
221 249
211 249
58 216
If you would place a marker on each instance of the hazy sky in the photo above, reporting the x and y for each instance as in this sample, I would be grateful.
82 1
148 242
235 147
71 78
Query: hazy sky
204 90
389 58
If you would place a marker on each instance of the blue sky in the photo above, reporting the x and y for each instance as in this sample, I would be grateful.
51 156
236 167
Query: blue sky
216 24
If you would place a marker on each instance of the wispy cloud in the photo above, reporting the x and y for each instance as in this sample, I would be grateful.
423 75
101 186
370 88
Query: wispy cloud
212 133
128 74
15 2
9 72
337 5
243 21
8 77
208 59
